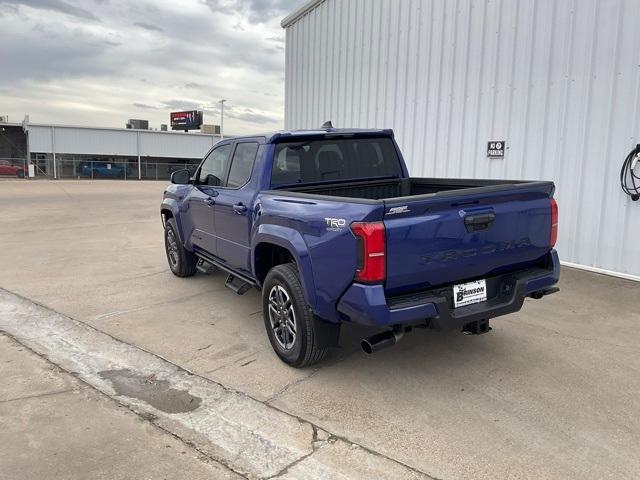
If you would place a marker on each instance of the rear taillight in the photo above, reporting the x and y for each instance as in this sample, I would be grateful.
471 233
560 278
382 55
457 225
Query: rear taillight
371 262
553 237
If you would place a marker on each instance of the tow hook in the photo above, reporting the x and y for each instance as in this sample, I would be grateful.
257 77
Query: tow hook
383 340
477 328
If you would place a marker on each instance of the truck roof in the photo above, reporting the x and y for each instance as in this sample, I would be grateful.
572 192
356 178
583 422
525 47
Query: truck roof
282 135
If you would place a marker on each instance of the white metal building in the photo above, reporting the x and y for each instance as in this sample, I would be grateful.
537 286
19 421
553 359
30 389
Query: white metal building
558 80
59 150
118 141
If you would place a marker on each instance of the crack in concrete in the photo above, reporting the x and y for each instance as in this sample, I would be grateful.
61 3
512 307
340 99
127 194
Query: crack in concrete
314 446
117 313
292 384
36 395
308 377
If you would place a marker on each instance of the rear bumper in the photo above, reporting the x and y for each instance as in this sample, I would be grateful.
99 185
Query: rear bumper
368 305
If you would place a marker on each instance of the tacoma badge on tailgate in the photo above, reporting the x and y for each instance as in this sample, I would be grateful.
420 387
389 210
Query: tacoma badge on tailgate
446 255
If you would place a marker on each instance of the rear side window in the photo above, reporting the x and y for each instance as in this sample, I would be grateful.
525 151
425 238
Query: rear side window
242 164
334 159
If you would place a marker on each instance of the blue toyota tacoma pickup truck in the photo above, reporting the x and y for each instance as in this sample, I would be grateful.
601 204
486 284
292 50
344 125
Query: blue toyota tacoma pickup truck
331 228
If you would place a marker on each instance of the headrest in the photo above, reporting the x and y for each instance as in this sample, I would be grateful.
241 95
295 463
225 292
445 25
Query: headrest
293 159
367 154
329 161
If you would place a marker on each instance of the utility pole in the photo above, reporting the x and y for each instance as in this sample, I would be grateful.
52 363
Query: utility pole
222 118
27 153
139 161
53 151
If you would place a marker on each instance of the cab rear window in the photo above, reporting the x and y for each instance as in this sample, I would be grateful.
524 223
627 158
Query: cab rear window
329 160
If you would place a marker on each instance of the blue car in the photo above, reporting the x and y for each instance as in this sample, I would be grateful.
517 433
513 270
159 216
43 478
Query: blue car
106 170
333 230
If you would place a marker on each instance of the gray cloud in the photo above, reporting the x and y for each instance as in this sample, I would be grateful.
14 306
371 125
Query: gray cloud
270 8
144 106
181 105
57 56
250 116
60 6
8 9
148 26
257 11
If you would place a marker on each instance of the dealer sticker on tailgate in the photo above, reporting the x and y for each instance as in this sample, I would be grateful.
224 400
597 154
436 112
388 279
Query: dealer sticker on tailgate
468 293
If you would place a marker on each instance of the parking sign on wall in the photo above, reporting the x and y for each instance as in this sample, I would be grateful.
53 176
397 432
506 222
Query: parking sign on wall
495 149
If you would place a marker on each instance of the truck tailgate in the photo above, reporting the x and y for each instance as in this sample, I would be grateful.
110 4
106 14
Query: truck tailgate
450 237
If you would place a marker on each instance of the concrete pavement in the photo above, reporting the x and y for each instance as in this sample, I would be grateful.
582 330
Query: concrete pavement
54 426
552 392
247 436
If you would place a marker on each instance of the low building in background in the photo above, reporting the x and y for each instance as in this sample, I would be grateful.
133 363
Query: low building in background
62 151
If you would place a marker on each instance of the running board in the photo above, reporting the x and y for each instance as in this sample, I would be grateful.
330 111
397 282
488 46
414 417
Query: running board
237 285
205 266
235 281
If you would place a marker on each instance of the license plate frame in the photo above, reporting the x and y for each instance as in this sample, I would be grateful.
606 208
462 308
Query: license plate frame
469 293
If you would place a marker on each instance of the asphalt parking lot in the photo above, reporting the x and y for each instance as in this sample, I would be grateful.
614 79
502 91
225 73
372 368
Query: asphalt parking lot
551 392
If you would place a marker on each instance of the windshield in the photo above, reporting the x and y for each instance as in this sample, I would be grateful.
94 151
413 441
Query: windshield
334 159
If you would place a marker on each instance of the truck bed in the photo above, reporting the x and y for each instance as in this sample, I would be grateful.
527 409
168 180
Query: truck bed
439 231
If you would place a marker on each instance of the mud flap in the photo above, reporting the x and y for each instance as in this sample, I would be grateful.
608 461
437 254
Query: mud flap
328 334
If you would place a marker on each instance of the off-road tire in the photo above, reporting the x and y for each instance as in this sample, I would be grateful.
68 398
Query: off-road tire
305 350
185 261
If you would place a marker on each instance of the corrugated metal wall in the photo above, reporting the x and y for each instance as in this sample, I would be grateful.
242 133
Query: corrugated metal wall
559 80
102 141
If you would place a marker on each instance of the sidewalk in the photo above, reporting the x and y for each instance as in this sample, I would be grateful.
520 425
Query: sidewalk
53 426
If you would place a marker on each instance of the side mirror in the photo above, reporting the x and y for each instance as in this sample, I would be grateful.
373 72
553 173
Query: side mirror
181 177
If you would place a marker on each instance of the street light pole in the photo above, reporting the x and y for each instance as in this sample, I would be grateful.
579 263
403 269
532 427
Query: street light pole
27 155
222 118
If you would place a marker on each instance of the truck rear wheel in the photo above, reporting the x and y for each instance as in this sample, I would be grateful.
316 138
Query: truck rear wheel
290 323
181 262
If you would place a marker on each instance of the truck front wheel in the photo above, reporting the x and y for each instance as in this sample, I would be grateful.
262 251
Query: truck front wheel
181 262
290 323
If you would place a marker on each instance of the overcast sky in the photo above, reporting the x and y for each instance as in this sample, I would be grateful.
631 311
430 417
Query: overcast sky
101 62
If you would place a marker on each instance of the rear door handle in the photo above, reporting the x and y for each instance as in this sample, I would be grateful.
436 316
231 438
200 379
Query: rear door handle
480 221
239 208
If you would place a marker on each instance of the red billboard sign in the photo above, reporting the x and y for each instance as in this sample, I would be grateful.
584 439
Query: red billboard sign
190 120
